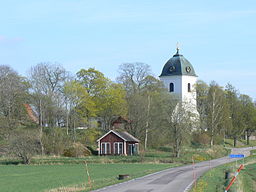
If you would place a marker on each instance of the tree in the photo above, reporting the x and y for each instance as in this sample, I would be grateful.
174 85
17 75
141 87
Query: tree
135 78
93 81
112 104
80 105
151 90
180 122
13 95
47 82
202 90
109 97
235 108
215 109
133 75
24 144
248 116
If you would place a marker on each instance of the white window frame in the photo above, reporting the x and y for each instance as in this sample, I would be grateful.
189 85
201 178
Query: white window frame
118 148
131 151
106 144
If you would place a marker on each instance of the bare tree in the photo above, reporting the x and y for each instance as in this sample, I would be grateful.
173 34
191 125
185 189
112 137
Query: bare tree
133 75
13 94
215 109
47 82
24 144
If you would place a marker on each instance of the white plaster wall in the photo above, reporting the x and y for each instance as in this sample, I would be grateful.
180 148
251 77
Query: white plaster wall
189 96
176 80
181 89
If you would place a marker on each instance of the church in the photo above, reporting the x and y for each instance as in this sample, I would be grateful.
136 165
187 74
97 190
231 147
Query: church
179 78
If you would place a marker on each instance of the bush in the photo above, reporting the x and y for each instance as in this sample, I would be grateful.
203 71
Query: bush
24 144
55 140
218 140
201 138
76 150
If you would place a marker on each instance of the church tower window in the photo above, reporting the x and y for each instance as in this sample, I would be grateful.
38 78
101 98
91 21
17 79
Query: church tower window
171 87
189 87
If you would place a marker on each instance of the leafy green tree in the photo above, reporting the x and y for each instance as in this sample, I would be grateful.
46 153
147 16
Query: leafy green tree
236 115
248 116
93 81
109 97
202 90
80 106
112 103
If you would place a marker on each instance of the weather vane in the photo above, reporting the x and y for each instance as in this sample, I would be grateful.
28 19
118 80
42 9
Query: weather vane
177 46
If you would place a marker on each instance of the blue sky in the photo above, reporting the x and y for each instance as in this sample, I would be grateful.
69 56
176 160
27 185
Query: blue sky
217 37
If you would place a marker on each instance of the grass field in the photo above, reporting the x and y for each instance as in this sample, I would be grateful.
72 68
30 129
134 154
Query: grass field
26 178
240 143
48 172
214 180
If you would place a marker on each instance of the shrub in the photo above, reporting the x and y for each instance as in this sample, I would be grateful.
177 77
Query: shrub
55 140
24 144
76 150
201 138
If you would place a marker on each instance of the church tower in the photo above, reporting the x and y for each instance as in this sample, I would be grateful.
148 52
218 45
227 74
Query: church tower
179 77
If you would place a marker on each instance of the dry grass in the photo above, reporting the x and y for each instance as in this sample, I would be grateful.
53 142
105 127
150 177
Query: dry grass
68 189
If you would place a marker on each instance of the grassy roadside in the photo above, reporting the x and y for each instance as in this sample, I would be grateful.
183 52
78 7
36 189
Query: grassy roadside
214 180
240 143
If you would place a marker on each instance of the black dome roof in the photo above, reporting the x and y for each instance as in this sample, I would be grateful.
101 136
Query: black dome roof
178 65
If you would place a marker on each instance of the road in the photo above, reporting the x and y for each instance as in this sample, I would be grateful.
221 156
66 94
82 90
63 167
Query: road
178 179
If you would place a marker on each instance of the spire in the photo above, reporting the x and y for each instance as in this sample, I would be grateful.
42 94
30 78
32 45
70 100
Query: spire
178 49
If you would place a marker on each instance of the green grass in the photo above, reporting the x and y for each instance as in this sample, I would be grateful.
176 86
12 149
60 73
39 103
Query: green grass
151 156
44 177
240 143
213 180
249 178
54 172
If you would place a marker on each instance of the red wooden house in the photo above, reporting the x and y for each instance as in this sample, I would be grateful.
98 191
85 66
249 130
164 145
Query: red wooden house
118 143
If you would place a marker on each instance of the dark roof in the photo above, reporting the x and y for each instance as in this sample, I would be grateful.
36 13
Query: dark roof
122 134
178 65
127 136
120 119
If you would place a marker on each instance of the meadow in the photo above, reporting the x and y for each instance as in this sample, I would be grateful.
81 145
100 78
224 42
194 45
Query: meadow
26 178
51 173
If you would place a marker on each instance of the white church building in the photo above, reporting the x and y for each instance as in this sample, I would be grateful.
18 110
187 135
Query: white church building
179 78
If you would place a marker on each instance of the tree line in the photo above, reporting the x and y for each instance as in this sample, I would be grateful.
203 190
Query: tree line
78 108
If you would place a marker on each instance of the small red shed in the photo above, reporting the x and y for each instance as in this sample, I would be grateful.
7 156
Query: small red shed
118 143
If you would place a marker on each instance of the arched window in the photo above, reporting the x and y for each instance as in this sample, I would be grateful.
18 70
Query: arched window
171 87
189 87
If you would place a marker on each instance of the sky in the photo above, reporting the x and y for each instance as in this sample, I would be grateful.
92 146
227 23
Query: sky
218 37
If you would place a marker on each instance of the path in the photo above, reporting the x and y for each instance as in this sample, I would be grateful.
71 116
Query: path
178 179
